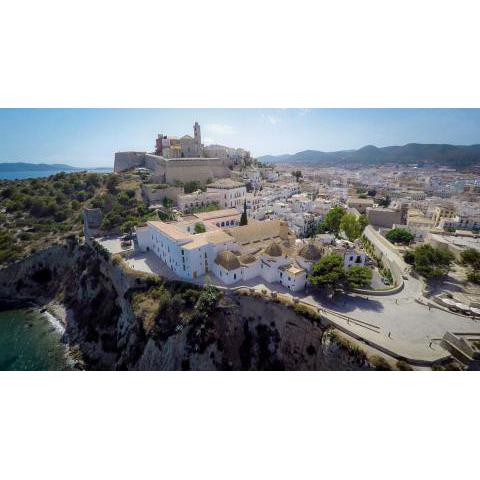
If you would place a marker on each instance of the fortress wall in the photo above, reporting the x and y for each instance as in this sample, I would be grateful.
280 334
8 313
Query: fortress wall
388 254
156 164
155 195
126 160
200 169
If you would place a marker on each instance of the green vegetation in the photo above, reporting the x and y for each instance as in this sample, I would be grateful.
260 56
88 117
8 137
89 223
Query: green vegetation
244 218
384 201
358 277
399 235
297 174
192 186
35 213
470 258
206 208
333 218
352 349
167 202
306 311
380 363
403 365
330 273
429 262
353 227
167 308
199 228
337 219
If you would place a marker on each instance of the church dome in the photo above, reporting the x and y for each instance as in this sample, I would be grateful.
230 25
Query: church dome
273 249
227 260
310 252
247 258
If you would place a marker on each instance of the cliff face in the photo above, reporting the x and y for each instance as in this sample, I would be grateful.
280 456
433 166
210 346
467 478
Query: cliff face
241 333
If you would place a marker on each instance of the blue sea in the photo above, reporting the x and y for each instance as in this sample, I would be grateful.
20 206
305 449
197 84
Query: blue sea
46 173
30 340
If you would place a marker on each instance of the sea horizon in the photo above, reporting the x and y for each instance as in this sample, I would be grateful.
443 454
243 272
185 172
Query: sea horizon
27 174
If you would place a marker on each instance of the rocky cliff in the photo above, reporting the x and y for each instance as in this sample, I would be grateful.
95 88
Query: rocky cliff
238 333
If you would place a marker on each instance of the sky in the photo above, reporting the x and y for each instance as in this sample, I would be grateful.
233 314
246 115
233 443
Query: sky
90 137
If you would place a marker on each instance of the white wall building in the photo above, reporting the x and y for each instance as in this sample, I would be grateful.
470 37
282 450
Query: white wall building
232 194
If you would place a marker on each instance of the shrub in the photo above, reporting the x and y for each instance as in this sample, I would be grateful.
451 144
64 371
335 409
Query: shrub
431 262
399 235
380 363
199 228
305 311
403 365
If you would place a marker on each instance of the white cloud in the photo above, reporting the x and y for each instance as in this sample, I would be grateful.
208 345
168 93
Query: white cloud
208 140
220 129
273 119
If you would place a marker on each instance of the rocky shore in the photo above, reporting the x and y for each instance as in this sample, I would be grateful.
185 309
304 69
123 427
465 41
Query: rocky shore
92 297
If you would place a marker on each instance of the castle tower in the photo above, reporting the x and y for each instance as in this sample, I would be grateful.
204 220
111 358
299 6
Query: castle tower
197 137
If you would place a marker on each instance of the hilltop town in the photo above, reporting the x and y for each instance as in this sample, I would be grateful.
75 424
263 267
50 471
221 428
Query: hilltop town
389 254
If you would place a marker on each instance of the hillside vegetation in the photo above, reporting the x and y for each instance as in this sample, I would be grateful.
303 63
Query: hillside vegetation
35 213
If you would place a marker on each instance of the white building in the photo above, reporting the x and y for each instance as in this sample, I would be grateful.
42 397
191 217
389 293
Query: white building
259 249
232 194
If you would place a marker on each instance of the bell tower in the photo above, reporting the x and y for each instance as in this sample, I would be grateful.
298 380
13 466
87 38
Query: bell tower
197 137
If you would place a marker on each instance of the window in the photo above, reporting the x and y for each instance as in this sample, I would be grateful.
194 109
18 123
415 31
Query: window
234 276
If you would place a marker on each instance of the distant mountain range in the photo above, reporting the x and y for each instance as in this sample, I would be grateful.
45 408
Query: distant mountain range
34 167
417 153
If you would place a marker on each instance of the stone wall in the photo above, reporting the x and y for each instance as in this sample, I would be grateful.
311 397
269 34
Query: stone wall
200 169
155 195
127 160
157 165
387 254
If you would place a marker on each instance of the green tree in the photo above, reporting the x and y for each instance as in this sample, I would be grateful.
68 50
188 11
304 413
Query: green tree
431 262
358 277
297 174
113 181
244 218
471 258
328 272
384 201
199 228
192 186
399 235
333 218
363 222
321 228
127 227
167 202
350 226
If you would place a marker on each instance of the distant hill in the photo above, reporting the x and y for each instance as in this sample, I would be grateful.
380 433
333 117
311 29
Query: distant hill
438 154
34 167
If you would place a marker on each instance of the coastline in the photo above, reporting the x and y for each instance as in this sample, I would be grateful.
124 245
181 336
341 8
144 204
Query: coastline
57 310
